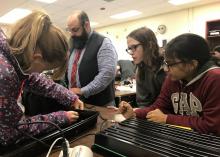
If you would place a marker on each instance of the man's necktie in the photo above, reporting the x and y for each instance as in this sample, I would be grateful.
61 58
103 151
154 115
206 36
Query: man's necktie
74 67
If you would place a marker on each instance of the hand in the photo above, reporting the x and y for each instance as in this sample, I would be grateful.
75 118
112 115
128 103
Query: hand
72 116
112 108
157 116
78 104
126 109
76 91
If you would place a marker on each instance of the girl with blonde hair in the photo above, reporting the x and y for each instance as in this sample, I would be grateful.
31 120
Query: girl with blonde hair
34 45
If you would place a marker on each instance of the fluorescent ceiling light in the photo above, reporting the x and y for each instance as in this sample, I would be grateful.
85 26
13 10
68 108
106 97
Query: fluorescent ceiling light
47 1
93 23
180 2
14 15
126 14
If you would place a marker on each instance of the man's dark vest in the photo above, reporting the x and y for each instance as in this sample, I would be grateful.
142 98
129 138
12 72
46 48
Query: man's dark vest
88 69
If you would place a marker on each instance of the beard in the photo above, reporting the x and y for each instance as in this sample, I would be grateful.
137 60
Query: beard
80 41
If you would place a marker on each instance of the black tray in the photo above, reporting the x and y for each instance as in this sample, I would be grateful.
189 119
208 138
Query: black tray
87 120
137 138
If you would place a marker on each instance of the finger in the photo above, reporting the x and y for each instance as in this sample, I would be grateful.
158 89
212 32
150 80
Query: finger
112 108
157 110
72 90
72 116
126 107
74 113
149 115
121 103
73 119
149 119
151 112
76 116
122 109
81 106
76 106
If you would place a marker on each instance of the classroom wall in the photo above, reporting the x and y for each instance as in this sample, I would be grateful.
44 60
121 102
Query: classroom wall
191 20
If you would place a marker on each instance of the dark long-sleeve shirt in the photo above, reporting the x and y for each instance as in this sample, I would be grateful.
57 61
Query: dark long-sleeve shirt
195 105
148 89
12 79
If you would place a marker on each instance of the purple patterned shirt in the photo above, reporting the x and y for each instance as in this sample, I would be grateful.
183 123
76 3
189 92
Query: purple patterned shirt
11 79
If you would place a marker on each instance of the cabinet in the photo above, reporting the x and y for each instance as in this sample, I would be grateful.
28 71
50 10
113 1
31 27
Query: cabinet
213 33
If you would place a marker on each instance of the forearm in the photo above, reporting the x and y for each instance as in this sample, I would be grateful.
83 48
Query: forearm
160 104
101 81
142 112
40 85
107 62
59 118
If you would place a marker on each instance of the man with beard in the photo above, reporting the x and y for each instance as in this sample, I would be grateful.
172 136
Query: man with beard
92 64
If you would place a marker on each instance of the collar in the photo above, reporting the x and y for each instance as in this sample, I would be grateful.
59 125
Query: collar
202 71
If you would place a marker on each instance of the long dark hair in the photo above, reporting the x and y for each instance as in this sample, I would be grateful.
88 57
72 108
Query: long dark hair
187 47
148 40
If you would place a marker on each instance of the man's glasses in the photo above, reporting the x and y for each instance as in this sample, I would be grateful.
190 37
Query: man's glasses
168 65
73 30
132 49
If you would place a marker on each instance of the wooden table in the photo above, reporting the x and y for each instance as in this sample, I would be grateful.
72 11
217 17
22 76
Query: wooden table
89 140
124 93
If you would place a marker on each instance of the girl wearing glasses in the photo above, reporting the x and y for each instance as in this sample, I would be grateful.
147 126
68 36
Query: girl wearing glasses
35 45
143 47
190 94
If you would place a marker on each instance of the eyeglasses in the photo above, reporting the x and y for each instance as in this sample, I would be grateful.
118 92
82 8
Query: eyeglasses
168 65
73 30
132 49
